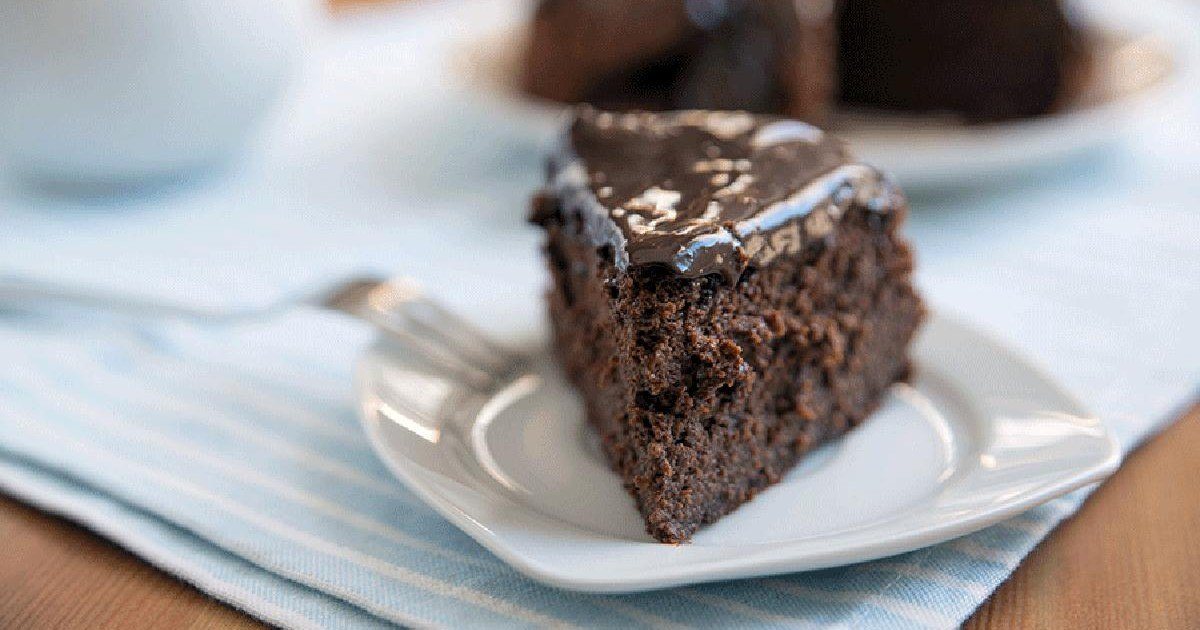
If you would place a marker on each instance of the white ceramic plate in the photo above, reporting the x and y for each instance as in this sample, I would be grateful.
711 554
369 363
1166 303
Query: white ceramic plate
1137 56
978 437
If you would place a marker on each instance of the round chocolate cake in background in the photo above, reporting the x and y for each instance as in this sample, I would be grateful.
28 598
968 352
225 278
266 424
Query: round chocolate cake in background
983 61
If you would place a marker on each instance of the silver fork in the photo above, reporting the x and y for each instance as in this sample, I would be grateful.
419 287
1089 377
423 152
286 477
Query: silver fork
396 307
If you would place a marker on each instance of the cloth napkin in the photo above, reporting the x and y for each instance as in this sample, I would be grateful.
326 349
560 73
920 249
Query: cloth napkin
232 458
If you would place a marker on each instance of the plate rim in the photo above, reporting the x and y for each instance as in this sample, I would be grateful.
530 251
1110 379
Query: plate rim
716 569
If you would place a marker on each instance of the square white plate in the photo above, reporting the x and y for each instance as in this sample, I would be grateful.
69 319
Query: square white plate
978 437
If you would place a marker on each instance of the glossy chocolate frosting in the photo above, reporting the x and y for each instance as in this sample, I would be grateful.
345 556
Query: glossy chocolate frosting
707 192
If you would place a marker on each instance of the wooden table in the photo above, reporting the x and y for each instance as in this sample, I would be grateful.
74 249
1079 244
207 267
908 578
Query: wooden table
1129 558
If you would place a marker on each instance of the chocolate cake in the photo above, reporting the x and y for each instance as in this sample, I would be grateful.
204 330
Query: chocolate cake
775 57
982 60
729 291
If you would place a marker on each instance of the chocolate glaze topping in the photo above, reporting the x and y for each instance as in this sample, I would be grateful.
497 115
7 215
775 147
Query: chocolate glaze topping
707 192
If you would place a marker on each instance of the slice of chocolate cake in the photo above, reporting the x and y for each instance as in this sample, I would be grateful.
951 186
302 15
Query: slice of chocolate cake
729 291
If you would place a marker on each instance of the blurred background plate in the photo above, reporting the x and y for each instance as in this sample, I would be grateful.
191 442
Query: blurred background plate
1137 56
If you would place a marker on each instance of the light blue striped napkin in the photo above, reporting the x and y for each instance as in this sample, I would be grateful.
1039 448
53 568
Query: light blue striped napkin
232 458
238 465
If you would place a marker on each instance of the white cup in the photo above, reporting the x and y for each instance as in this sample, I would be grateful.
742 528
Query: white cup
120 91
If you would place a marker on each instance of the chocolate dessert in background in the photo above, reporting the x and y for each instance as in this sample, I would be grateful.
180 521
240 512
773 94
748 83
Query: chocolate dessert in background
729 292
982 61
669 54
